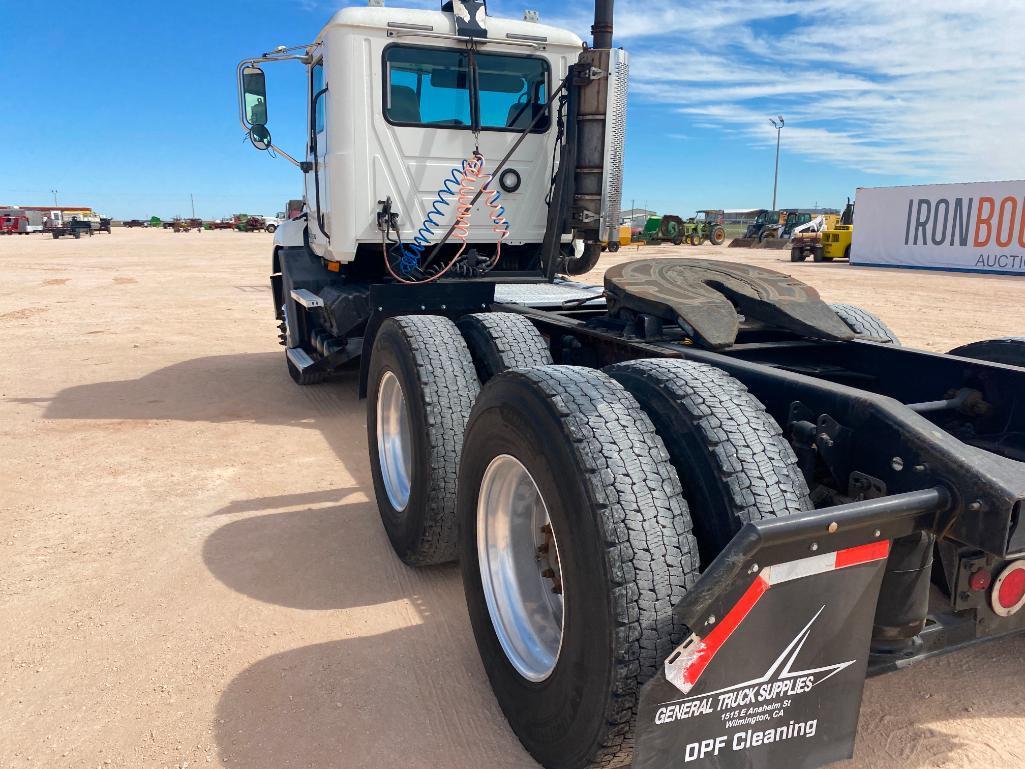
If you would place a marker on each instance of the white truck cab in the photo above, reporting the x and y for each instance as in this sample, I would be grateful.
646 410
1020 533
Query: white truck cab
400 100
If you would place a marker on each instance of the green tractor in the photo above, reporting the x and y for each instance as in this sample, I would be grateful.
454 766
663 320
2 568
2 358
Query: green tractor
707 224
664 229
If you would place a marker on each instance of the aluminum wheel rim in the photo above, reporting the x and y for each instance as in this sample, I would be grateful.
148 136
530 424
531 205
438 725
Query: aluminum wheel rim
520 568
394 440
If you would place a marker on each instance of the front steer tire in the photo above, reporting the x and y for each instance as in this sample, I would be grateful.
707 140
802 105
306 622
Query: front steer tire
865 324
426 357
503 340
730 454
625 545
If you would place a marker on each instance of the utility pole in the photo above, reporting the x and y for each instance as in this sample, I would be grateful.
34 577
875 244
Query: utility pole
193 201
54 197
775 177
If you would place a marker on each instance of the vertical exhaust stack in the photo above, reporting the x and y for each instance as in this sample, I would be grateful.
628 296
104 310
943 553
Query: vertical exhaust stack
601 77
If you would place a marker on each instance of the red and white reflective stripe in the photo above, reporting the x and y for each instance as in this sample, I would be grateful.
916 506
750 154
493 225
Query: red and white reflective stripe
693 655
819 564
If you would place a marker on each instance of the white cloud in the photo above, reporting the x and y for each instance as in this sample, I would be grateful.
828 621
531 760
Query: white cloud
931 89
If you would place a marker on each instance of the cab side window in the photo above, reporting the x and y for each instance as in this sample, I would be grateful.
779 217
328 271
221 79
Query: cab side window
316 86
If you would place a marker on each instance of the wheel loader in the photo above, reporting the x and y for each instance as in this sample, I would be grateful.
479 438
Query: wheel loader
764 220
692 508
780 236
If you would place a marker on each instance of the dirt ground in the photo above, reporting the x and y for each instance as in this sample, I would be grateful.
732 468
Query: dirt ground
193 570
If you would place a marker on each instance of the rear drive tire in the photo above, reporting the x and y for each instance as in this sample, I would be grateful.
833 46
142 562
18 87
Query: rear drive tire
865 324
421 386
503 340
613 246
625 556
797 255
731 456
816 254
1010 350
718 236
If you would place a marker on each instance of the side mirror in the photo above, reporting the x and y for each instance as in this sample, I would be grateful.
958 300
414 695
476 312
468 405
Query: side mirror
259 135
254 94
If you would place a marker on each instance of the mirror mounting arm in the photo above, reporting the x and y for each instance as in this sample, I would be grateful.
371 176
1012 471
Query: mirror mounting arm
282 54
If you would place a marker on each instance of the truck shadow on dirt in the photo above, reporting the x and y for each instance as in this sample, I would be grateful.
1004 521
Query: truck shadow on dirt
390 701
405 698
247 387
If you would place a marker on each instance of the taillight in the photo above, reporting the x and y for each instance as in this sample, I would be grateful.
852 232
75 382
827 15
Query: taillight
1008 594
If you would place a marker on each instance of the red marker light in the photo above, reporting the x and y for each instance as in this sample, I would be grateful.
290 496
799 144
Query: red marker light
1009 590
980 580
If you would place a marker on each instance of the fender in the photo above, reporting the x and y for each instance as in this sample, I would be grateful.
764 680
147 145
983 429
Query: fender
289 233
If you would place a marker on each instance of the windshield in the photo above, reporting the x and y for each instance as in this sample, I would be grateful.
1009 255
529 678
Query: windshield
445 87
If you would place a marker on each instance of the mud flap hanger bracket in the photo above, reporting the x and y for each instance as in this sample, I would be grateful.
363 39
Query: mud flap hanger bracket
777 540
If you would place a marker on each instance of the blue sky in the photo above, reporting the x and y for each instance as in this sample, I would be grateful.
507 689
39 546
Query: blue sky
130 110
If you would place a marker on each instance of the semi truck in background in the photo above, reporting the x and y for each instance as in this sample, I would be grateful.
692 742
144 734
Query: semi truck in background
692 510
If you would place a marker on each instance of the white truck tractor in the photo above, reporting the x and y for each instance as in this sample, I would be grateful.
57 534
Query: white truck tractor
693 510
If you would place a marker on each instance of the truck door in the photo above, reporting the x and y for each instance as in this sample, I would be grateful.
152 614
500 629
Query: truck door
317 189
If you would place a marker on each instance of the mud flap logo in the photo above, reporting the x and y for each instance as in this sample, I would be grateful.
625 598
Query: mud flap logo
797 700
752 705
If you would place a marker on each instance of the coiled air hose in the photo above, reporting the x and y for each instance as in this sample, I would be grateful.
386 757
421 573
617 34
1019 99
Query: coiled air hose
463 183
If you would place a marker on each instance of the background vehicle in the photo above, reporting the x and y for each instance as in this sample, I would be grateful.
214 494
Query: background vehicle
753 234
669 228
699 490
795 220
76 228
271 223
246 223
836 239
706 225
12 224
806 239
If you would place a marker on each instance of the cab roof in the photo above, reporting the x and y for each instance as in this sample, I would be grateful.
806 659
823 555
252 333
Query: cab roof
499 29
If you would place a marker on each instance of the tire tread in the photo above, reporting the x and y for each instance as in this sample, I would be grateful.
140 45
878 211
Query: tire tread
650 546
449 383
751 456
864 323
512 341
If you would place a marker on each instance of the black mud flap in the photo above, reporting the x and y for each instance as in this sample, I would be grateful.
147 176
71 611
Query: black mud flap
772 676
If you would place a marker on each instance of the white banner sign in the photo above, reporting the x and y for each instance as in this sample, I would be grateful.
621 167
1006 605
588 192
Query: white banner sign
978 227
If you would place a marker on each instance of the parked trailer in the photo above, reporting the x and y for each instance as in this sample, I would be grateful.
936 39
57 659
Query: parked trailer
14 225
76 228
694 510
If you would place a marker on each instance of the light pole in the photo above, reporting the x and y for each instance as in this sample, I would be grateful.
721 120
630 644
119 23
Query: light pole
775 177
54 197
